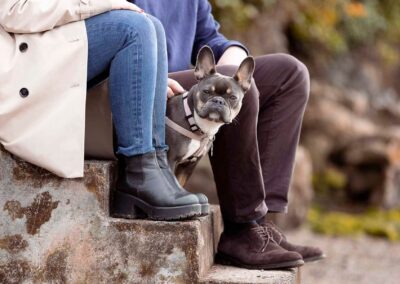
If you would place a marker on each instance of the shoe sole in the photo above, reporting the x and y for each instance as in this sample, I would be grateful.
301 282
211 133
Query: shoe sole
224 259
205 209
131 207
314 258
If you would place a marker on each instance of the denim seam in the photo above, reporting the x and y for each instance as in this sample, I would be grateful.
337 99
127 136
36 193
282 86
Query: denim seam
136 84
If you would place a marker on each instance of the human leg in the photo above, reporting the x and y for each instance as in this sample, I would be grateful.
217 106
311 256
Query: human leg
124 44
160 103
239 199
130 60
284 84
237 173
159 115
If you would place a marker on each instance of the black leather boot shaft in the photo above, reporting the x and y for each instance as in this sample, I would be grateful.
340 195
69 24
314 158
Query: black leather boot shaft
162 159
142 181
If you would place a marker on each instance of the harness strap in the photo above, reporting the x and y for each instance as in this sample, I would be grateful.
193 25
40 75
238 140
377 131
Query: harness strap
184 131
188 113
204 139
202 149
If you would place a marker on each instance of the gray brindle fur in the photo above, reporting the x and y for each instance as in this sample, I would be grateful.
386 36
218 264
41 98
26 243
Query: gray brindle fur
214 101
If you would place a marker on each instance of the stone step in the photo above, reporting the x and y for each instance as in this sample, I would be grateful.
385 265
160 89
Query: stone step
219 274
55 230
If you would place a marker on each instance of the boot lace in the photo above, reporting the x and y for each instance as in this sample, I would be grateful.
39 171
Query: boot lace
266 234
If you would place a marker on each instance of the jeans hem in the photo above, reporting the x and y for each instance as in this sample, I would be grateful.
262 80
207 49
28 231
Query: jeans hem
162 148
132 151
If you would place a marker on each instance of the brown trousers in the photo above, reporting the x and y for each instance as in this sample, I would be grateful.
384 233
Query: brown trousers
253 158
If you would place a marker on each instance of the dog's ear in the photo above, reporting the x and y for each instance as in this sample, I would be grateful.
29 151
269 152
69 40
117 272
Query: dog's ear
205 64
245 73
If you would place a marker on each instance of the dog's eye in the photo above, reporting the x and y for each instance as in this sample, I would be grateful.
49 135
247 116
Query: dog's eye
233 98
207 92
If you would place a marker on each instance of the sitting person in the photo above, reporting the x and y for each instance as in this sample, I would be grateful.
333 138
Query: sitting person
51 49
253 158
42 113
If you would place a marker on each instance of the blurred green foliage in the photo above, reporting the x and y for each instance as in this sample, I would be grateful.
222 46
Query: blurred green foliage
377 223
328 180
332 25
338 25
236 15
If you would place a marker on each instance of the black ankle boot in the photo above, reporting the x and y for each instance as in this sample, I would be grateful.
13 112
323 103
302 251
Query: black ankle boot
141 186
163 163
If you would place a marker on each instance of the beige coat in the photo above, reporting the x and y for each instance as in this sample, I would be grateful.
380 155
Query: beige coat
43 69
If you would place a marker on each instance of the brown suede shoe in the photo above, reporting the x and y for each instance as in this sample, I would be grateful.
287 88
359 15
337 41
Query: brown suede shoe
309 254
252 247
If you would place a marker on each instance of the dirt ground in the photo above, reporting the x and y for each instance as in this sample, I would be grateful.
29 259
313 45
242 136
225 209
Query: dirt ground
350 260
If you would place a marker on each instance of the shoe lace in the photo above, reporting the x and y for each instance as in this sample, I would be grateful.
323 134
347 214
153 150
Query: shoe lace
273 227
266 234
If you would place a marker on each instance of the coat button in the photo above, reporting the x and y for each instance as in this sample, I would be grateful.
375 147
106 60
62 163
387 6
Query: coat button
23 47
24 92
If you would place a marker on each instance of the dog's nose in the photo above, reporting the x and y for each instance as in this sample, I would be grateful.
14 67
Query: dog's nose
218 100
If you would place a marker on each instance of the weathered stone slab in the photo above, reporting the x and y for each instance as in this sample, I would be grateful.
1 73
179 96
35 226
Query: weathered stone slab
55 230
59 230
232 275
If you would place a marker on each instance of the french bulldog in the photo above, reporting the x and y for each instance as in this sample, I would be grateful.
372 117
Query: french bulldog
194 118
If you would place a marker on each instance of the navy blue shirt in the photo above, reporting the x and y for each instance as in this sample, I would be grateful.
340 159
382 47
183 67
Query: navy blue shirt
188 25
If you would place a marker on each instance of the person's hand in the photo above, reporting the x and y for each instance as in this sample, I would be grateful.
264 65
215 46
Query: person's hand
125 5
174 88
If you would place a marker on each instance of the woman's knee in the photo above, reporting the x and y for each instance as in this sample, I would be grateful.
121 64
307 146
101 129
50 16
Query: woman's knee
158 27
133 24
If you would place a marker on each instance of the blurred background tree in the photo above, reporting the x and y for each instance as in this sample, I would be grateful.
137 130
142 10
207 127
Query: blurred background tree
334 25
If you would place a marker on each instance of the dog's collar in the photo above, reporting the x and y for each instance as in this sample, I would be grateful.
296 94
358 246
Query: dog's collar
188 114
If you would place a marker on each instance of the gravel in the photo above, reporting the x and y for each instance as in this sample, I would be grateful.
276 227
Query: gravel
349 260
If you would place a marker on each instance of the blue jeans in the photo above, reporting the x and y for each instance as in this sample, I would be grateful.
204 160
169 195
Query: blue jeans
130 48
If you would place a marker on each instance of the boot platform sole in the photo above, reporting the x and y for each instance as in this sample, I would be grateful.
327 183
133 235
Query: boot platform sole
131 207
205 209
224 259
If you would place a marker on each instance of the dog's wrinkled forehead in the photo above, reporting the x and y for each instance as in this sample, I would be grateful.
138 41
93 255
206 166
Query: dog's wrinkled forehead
218 84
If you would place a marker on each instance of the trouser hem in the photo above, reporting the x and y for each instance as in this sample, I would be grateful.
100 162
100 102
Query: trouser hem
252 217
277 208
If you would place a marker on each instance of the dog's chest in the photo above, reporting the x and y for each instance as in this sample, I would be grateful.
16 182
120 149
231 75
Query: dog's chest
192 148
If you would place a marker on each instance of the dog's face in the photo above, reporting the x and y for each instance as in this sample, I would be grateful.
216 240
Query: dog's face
218 98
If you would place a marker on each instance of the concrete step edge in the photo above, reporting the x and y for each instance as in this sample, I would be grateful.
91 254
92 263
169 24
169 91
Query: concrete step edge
220 274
